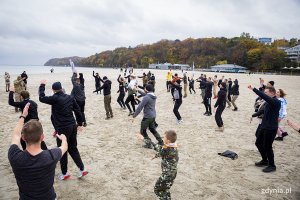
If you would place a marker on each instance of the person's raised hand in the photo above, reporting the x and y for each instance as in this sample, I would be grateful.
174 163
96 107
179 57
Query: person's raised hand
12 88
250 87
43 82
25 110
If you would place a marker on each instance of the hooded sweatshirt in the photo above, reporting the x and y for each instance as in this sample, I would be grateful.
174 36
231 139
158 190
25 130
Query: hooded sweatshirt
78 90
235 88
148 104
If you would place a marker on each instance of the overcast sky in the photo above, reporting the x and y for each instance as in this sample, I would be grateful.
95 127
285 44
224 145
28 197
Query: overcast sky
33 31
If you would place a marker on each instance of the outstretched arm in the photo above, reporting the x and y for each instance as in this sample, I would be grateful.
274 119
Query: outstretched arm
42 97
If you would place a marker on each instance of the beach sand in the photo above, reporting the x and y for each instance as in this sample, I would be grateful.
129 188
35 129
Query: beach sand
119 168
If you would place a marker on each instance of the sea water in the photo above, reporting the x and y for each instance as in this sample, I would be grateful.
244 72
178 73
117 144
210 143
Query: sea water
16 70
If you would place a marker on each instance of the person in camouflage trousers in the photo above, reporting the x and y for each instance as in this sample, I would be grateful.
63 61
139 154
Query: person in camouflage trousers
169 154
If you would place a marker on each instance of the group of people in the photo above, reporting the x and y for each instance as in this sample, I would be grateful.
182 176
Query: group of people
37 162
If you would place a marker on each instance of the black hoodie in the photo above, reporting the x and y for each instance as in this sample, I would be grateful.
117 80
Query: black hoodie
221 98
106 87
235 88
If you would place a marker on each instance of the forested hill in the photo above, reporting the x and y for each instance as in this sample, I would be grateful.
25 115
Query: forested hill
204 52
63 61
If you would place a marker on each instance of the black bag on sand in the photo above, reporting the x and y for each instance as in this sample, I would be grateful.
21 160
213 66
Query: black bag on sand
229 154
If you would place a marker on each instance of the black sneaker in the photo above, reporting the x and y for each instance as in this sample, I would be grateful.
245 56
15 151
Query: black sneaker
279 138
269 169
206 113
284 134
262 163
84 124
209 114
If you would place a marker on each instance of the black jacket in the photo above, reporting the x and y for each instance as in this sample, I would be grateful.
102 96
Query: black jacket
221 98
229 87
24 75
121 86
32 111
271 111
106 87
62 108
97 79
235 89
208 89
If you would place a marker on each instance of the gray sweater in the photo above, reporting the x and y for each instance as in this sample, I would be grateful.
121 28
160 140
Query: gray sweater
148 104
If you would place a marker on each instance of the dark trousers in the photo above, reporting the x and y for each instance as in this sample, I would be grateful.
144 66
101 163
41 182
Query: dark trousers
71 135
218 115
43 145
168 85
191 88
177 104
149 123
120 100
264 143
97 87
207 103
107 106
130 99
81 105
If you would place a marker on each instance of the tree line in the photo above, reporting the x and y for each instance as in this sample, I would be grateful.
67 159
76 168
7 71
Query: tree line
203 52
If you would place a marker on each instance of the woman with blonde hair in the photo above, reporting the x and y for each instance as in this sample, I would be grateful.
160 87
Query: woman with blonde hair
282 114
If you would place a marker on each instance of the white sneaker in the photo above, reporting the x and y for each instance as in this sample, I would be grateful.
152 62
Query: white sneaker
62 177
179 121
82 173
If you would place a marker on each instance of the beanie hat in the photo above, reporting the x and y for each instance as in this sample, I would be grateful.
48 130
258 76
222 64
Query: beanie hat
272 83
104 78
56 86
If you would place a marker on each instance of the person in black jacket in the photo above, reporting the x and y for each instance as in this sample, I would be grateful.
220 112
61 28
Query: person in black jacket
32 111
220 105
268 129
235 94
177 96
97 81
229 89
207 97
63 106
191 85
25 77
121 92
79 94
107 96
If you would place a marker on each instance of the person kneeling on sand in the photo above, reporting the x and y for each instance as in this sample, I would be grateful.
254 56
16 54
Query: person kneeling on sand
34 168
169 155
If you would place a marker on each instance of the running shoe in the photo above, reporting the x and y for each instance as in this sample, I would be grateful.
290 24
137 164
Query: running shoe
82 173
62 177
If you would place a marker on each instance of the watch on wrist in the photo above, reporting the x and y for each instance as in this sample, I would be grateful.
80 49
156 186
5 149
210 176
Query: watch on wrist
22 117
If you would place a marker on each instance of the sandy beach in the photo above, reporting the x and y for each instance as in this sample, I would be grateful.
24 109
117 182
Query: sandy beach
119 168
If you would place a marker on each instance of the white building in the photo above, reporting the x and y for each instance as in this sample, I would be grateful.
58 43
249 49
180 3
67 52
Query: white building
167 66
229 68
294 53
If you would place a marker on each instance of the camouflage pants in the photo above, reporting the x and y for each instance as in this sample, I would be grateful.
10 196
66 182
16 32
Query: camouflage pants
163 185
